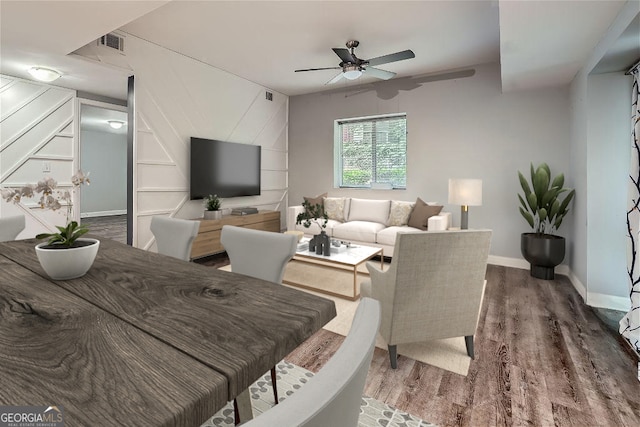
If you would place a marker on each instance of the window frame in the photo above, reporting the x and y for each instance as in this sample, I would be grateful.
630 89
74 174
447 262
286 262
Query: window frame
337 150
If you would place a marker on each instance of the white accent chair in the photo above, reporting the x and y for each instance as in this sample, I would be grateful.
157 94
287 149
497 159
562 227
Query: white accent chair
174 236
433 288
10 227
256 253
332 397
260 254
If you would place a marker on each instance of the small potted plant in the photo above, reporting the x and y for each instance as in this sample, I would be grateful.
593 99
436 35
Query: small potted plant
544 209
66 254
315 214
212 207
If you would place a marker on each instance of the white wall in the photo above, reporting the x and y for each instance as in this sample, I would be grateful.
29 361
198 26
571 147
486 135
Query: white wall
104 156
465 128
37 126
600 143
608 157
176 98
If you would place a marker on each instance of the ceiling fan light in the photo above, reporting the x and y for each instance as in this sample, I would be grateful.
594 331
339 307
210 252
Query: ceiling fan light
115 124
44 74
352 73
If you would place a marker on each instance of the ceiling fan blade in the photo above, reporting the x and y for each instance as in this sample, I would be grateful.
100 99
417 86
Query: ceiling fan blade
377 72
393 57
344 54
317 69
335 79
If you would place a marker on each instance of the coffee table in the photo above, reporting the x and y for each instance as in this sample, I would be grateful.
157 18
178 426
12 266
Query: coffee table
345 258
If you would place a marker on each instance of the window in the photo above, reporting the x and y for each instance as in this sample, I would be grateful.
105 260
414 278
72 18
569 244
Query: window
371 152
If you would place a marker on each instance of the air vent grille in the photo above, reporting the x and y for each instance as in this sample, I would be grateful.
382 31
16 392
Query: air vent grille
113 41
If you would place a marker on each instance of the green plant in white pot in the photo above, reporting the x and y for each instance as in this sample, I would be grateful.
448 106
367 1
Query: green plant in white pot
212 207
66 254
544 205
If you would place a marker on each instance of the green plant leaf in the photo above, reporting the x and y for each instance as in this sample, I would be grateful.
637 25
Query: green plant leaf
527 216
566 201
533 202
542 214
546 169
558 181
523 203
548 197
555 208
541 183
524 184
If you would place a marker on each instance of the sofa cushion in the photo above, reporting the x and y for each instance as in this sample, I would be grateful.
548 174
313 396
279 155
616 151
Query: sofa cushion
400 212
369 210
318 200
334 208
421 214
388 235
362 231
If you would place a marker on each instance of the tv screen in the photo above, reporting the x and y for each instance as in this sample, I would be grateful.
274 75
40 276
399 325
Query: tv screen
224 168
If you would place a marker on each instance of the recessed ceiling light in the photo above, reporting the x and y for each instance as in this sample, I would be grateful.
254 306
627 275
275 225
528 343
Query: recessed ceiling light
116 124
44 74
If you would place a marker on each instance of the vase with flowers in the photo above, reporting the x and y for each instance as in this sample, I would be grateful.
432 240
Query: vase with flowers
66 254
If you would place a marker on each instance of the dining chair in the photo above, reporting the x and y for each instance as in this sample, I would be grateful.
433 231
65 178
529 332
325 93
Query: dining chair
433 288
332 397
260 254
174 236
10 227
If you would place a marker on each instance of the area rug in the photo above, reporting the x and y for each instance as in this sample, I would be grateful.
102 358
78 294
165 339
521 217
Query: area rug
449 354
292 378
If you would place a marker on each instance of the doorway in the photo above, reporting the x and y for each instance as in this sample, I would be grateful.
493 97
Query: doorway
103 154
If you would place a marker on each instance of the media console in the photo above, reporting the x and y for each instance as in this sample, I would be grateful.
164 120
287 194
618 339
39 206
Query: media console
208 240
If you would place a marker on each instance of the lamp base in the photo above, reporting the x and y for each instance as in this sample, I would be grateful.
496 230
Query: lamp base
464 217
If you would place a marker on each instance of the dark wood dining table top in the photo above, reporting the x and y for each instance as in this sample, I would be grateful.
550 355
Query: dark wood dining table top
231 324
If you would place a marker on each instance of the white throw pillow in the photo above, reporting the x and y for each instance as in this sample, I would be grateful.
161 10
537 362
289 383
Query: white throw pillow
369 210
400 212
334 208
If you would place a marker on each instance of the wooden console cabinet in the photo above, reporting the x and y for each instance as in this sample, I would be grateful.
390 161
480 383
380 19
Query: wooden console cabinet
208 240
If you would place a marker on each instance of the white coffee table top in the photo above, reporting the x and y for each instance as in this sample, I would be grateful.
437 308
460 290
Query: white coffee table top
353 255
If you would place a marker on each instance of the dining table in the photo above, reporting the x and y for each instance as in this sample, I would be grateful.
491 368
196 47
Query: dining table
142 339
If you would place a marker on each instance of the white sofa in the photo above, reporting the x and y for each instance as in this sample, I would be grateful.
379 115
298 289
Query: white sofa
367 222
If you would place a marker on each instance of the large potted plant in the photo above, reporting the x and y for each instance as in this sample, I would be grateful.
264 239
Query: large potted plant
66 254
543 205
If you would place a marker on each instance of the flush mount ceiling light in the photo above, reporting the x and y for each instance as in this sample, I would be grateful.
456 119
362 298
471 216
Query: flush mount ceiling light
116 124
351 72
44 74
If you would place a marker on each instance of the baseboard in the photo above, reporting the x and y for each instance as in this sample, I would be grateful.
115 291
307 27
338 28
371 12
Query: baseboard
592 299
103 213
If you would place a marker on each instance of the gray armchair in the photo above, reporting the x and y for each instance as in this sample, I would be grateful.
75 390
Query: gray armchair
433 288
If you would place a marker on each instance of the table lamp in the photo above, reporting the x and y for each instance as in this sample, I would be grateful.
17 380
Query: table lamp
465 192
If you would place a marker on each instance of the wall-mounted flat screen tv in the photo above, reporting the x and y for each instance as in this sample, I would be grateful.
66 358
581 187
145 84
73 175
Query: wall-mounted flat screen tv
224 168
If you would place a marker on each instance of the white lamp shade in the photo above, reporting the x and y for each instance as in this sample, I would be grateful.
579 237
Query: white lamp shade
467 192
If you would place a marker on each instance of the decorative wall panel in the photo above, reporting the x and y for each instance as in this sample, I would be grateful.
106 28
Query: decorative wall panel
37 126
177 98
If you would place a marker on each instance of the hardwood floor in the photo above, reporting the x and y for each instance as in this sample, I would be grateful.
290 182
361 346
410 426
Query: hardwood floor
543 358
112 227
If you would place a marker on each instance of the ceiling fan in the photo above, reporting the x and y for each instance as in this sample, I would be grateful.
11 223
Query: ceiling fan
353 67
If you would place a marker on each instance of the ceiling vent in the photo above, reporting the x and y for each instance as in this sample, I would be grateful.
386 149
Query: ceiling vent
112 41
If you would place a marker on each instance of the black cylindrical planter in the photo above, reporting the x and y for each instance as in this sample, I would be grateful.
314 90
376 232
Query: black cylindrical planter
544 252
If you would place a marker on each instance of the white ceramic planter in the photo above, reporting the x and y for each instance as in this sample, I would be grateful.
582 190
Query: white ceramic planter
65 264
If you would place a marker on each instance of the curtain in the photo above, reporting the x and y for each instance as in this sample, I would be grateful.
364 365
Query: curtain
630 323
